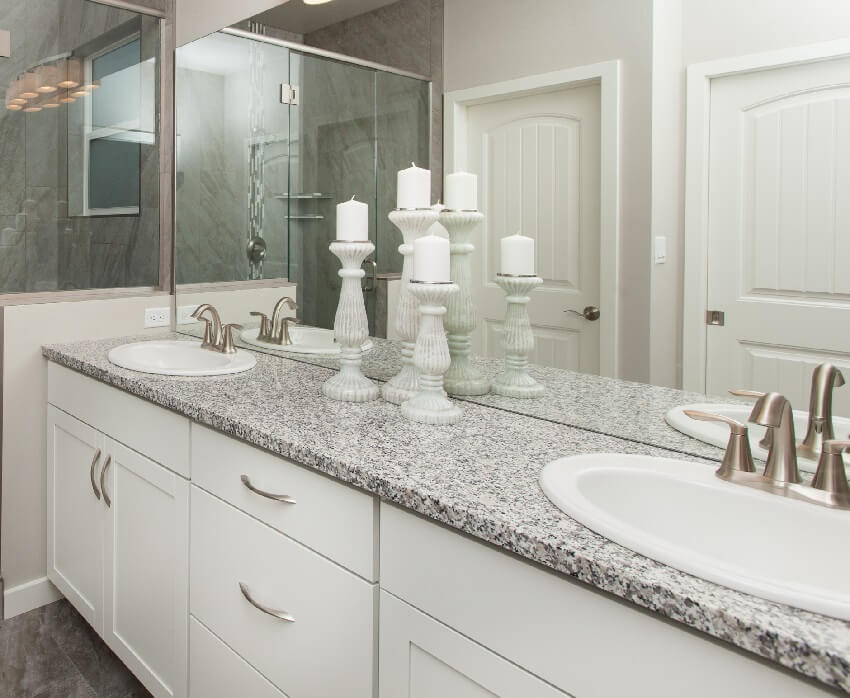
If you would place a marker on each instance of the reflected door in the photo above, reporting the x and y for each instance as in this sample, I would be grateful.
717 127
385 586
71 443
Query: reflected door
538 163
779 229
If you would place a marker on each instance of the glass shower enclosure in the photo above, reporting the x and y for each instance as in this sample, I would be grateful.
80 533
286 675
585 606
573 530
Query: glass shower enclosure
270 136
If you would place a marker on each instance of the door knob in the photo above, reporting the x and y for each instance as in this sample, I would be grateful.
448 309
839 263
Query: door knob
590 313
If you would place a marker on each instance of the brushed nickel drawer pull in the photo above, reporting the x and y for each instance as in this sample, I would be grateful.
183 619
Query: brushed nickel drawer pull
102 478
283 615
91 473
285 498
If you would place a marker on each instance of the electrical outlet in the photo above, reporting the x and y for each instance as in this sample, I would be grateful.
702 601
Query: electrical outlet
184 314
157 317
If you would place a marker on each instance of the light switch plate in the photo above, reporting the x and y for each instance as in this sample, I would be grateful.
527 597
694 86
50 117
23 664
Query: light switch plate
660 249
5 43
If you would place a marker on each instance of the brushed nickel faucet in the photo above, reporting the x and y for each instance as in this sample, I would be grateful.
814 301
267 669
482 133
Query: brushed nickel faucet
216 337
774 410
738 457
276 329
825 378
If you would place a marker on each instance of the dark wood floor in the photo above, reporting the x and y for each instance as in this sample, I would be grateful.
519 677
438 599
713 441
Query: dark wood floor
52 652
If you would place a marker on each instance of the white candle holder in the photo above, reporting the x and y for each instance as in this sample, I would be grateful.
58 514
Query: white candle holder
461 319
351 326
430 405
413 223
518 339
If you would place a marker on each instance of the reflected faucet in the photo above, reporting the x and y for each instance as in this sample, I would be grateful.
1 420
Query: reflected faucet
825 378
280 325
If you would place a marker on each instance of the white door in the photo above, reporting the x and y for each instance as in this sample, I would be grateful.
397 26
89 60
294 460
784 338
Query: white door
146 563
422 658
75 513
779 229
537 158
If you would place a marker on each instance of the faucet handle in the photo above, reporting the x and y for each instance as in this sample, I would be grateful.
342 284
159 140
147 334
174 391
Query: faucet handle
227 346
265 325
738 392
738 456
831 476
208 340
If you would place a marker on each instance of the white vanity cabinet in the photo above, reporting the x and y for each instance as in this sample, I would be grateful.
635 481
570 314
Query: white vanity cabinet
118 526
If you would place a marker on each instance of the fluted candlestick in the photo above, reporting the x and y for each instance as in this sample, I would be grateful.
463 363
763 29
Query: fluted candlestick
351 326
430 405
461 318
518 339
413 223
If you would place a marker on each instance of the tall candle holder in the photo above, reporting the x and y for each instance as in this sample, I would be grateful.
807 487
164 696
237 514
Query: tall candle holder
461 319
351 326
413 223
514 381
430 405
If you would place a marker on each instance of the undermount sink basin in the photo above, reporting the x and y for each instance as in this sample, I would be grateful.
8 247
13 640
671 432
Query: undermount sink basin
179 358
717 434
679 513
305 340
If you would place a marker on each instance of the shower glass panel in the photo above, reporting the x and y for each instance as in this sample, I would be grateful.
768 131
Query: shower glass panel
232 160
270 139
79 148
334 128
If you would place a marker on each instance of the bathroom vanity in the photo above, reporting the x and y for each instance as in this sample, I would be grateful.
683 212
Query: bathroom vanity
243 535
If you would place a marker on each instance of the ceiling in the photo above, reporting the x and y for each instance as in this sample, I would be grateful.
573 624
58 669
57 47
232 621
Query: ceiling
295 16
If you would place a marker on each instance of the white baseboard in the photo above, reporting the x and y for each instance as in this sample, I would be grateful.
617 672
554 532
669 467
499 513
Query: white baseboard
25 597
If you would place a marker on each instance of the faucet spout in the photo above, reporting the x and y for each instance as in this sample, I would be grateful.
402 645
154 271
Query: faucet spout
280 326
825 378
774 411
213 326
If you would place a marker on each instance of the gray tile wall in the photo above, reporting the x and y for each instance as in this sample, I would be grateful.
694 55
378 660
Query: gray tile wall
42 247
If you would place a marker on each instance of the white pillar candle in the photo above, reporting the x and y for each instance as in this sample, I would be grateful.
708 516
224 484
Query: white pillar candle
439 230
462 192
352 221
518 255
414 188
431 259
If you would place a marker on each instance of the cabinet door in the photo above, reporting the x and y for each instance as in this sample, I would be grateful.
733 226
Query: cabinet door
422 658
146 569
75 513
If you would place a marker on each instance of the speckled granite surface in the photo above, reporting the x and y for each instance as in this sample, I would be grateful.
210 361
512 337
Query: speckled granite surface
481 477
575 399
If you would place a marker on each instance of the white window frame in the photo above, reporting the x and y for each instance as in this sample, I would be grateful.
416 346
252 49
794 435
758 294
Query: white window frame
90 133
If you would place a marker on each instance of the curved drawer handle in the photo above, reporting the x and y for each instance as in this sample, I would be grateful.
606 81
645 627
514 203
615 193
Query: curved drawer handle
94 461
285 498
283 615
102 478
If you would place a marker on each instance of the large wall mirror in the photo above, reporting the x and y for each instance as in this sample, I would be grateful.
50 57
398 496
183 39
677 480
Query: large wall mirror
682 165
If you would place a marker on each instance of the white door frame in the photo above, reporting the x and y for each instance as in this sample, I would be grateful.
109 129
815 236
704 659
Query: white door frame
607 74
698 112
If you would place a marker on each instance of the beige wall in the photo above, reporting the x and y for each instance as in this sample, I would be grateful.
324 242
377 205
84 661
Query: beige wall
25 329
489 41
197 18
694 31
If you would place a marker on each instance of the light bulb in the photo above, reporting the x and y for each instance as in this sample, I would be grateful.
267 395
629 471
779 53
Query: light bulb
48 76
30 82
71 72
32 108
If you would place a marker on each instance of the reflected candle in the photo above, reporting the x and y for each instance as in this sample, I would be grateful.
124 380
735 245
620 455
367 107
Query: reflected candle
431 259
414 188
352 221
462 192
518 255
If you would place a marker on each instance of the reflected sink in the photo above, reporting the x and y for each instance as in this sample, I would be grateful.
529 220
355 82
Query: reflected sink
679 513
717 434
305 340
179 358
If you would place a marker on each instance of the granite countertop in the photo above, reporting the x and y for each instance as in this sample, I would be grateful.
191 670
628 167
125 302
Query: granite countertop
481 477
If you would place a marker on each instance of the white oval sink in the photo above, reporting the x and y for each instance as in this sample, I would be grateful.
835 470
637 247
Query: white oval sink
179 358
679 513
305 340
717 434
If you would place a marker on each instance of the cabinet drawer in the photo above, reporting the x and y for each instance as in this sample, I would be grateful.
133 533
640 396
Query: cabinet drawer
327 516
161 435
329 649
218 672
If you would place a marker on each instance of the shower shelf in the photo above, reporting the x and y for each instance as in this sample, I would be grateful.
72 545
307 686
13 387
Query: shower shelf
303 196
305 218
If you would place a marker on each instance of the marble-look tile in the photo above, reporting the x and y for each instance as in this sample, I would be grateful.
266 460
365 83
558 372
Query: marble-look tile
12 162
479 476
143 250
74 258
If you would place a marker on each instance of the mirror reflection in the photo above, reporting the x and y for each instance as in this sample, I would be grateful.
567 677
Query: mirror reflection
681 168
